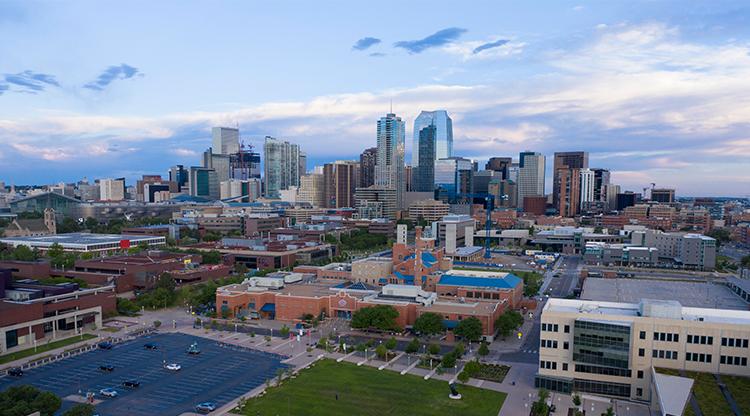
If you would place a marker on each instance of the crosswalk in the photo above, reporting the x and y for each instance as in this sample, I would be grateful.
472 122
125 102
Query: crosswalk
530 351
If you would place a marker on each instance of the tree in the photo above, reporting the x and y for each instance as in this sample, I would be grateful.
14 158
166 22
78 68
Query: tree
240 269
412 346
55 251
211 257
25 399
24 253
745 262
508 322
459 349
449 360
469 329
540 408
391 343
381 351
382 317
284 331
81 409
126 307
429 323
165 281
609 412
483 349
576 399
433 349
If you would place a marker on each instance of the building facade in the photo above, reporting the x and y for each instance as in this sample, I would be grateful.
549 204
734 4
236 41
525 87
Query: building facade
389 164
443 137
531 171
281 167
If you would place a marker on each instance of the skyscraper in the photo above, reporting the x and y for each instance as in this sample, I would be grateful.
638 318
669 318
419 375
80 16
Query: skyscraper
178 175
302 163
499 164
567 161
424 173
312 190
389 165
601 180
587 187
367 162
443 134
531 171
282 166
568 182
112 189
226 140
340 181
203 183
453 176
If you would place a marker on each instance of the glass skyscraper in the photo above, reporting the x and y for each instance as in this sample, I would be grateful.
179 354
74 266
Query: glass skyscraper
453 176
443 134
424 172
281 167
389 164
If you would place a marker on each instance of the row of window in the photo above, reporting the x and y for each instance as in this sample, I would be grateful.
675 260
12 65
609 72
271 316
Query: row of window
549 365
730 360
481 295
698 357
700 339
733 342
607 371
666 354
550 327
666 336
549 343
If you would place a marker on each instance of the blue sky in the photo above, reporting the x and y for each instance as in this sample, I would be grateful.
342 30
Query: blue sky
658 91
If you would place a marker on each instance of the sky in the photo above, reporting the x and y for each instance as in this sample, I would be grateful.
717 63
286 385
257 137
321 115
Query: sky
656 91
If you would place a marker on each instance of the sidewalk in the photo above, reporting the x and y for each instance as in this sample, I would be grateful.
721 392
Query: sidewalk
23 361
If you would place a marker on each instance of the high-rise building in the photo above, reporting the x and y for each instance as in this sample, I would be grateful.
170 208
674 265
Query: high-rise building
587 187
626 199
367 162
389 166
282 166
376 202
424 170
481 181
601 181
245 190
499 164
302 163
453 177
443 134
312 190
244 165
564 175
505 192
531 171
226 140
179 175
204 183
340 178
612 191
662 195
112 189
220 163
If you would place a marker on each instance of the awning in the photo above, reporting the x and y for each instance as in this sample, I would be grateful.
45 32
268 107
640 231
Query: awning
450 324
268 307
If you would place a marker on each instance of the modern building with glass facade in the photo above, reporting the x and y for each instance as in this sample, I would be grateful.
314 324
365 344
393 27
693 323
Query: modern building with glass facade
453 176
610 348
531 171
424 171
443 134
225 140
204 183
389 164
282 166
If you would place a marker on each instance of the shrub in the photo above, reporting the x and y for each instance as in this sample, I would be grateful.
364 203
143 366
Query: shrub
381 351
433 349
483 349
391 343
284 331
412 346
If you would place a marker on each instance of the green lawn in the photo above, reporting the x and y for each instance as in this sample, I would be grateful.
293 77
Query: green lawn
709 396
43 347
740 389
367 391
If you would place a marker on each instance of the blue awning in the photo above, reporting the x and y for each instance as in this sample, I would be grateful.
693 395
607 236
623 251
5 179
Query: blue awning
383 280
450 324
268 307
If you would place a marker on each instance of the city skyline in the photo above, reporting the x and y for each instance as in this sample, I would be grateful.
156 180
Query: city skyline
655 93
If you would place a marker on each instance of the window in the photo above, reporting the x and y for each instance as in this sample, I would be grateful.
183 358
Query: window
663 336
639 391
698 357
549 343
567 329
565 366
640 373
734 342
731 360
565 345
643 335
700 339
641 352
549 365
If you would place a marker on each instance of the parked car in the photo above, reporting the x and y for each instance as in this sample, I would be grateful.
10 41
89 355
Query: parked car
105 345
150 346
15 372
107 367
108 392
131 384
173 367
205 407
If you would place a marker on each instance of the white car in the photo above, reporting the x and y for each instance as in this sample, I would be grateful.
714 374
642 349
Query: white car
173 367
108 392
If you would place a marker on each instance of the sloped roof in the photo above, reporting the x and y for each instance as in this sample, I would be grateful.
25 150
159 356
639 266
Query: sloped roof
509 281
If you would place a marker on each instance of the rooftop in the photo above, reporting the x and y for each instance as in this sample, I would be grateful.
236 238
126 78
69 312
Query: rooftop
480 279
692 294
80 239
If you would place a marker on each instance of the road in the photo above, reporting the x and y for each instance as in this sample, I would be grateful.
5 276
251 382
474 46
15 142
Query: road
733 252
569 269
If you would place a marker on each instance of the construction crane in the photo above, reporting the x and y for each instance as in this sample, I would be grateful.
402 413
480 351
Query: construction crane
489 207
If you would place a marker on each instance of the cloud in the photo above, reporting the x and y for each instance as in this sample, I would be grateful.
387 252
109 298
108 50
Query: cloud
112 73
489 45
439 38
29 81
3 88
43 152
365 43
377 54
184 152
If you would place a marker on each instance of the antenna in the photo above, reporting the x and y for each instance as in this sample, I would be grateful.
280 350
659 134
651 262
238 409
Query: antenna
391 105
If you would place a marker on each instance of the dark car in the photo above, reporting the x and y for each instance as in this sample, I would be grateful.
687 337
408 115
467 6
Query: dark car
131 384
107 367
205 407
105 345
151 346
15 372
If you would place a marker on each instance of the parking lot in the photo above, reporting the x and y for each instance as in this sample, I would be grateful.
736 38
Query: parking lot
217 374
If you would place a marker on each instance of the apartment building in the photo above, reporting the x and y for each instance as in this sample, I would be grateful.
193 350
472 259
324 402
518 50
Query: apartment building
691 251
610 348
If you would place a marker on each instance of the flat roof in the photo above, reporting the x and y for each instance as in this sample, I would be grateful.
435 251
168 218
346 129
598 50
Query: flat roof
601 309
472 278
472 308
691 294
77 239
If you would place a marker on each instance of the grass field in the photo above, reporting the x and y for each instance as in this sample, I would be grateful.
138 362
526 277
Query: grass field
43 347
367 391
740 389
707 392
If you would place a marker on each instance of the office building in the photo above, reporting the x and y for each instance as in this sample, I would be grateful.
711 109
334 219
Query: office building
443 134
239 190
565 162
302 163
568 186
340 182
226 140
612 191
428 210
626 199
221 164
685 250
499 164
112 189
615 348
451 231
179 175
367 162
601 181
389 165
424 171
312 190
662 195
536 205
505 192
204 183
453 177
481 180
588 179
281 166
531 171
244 165
376 202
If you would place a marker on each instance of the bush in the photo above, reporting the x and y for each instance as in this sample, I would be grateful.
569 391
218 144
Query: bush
284 331
433 349
449 360
381 351
463 377
391 343
483 349
412 346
